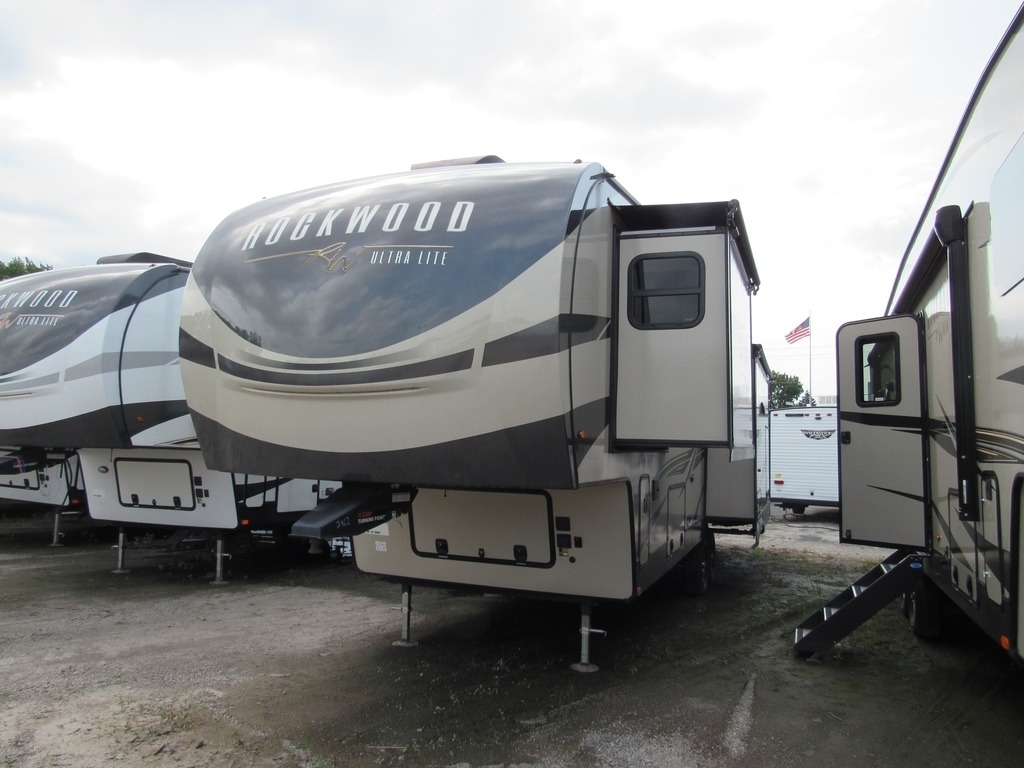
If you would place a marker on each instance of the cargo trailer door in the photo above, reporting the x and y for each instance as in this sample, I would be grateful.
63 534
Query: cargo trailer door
882 436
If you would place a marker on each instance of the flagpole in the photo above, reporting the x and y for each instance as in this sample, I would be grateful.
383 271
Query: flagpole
810 357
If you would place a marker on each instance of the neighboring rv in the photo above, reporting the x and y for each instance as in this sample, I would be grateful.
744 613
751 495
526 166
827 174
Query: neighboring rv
931 396
729 476
804 458
42 478
91 394
525 380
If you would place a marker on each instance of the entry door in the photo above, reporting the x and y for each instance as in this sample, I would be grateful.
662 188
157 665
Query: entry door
882 436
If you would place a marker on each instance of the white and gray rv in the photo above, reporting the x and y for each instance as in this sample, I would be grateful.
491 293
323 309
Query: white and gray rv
524 380
32 478
931 396
804 457
90 384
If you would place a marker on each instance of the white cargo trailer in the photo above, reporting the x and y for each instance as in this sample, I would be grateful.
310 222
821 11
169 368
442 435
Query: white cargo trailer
931 396
89 374
525 380
804 457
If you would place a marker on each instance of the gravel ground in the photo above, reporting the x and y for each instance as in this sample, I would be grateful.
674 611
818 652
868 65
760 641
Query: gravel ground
291 664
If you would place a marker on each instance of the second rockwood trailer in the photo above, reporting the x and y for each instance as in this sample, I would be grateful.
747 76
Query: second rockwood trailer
37 477
525 381
89 377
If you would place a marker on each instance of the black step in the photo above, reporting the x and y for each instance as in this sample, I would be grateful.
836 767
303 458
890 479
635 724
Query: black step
820 631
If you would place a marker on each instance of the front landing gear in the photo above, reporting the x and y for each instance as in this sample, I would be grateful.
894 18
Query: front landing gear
122 542
584 665
406 609
219 555
698 565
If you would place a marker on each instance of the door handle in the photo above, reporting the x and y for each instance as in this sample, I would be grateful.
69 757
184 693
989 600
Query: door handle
844 437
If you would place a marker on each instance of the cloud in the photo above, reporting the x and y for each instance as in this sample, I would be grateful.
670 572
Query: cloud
79 213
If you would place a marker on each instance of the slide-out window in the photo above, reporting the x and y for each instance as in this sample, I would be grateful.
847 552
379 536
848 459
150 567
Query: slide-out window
666 290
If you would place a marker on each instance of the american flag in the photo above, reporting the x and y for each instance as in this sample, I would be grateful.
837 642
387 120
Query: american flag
802 330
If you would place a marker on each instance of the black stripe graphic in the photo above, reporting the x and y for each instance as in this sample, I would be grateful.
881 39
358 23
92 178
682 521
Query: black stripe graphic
192 349
547 338
459 361
1016 376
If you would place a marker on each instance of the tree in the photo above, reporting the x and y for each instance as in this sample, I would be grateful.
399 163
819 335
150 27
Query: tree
806 400
18 266
786 391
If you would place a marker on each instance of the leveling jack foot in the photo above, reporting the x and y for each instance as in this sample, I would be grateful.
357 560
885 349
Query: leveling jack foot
218 580
584 665
120 547
406 609
56 530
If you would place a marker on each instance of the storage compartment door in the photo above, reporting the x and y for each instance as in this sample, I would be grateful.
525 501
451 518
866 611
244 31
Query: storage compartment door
882 440
486 527
155 483
672 383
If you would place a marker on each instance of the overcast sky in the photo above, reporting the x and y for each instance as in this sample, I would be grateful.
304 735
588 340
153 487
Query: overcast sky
138 126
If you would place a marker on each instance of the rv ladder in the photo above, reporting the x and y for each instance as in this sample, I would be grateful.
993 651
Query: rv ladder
820 631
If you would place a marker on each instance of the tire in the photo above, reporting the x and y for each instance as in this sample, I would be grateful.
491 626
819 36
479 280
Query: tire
697 567
924 609
799 509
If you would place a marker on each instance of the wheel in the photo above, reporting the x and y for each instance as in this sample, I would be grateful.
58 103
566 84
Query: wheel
697 566
924 609
799 509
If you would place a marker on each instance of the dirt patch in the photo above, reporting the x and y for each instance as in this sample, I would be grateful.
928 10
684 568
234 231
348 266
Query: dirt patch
291 665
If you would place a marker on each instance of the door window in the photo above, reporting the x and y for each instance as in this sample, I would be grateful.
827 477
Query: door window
878 381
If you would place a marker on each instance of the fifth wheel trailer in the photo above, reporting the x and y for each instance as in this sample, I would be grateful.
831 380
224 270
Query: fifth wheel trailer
520 375
42 478
931 395
89 374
